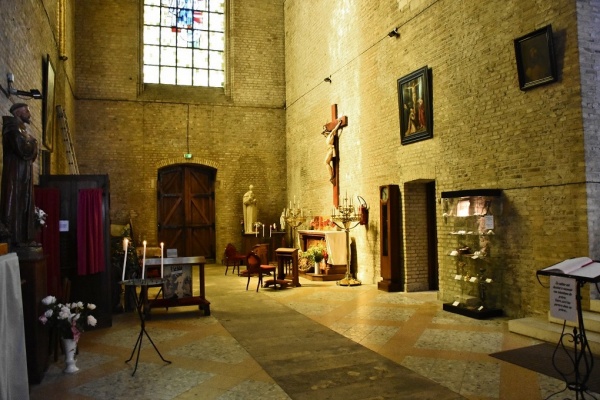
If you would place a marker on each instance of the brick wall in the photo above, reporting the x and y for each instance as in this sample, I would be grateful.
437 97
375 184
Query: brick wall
487 132
129 130
538 146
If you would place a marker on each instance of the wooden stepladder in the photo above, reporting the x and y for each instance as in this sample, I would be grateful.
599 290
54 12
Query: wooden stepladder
69 149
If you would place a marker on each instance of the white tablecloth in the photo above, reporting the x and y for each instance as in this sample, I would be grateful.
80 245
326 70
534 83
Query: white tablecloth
336 247
13 356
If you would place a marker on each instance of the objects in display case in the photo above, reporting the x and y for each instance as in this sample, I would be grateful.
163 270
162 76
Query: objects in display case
473 266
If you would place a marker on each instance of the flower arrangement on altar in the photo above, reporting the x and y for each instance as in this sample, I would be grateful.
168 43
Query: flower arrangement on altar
68 319
316 253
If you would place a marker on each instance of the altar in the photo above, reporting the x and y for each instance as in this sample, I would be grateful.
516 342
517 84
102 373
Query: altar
336 249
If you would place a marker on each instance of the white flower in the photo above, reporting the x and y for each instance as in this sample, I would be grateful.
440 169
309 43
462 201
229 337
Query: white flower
91 306
49 313
91 320
48 300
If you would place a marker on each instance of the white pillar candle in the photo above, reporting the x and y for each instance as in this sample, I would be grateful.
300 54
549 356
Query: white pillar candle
144 261
263 230
125 243
162 245
270 230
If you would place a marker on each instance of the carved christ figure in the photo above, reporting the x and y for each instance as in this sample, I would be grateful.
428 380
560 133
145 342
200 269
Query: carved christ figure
331 153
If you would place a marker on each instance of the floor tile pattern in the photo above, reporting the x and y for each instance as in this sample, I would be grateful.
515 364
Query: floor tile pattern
317 341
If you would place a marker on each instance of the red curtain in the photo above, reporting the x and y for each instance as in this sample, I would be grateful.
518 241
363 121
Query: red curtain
90 232
48 200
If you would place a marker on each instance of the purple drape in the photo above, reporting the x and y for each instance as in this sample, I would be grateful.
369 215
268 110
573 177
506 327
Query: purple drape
90 232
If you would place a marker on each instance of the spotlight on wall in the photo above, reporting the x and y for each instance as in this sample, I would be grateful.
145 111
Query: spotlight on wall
394 33
328 79
34 93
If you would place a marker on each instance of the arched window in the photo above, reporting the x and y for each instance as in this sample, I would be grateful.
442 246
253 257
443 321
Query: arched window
184 42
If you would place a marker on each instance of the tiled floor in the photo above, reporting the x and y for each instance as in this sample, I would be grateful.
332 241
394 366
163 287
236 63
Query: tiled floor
209 362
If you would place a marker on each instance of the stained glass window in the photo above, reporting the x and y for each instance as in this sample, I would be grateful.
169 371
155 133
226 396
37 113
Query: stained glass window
184 42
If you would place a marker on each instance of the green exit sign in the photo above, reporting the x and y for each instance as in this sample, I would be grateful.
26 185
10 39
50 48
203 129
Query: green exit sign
187 155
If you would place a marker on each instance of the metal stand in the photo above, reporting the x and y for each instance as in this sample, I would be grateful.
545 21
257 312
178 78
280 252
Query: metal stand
141 301
346 214
581 356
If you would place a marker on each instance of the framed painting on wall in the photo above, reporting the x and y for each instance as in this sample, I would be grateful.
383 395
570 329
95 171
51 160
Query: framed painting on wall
536 62
48 105
415 106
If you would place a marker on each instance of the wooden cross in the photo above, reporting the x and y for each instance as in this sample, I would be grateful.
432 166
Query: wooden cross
336 160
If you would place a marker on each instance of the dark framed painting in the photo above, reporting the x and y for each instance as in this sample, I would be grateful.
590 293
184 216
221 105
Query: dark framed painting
48 105
415 106
536 62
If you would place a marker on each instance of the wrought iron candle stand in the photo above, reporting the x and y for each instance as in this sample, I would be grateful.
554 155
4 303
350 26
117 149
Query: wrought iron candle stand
294 217
346 214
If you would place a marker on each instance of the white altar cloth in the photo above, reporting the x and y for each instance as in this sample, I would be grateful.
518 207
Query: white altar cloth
336 247
13 365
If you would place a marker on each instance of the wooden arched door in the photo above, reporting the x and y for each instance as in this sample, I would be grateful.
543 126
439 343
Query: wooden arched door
186 210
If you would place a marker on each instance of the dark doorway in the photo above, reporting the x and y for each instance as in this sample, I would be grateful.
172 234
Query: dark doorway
432 237
186 210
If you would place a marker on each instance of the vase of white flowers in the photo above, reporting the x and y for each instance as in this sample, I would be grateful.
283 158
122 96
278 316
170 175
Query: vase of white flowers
68 320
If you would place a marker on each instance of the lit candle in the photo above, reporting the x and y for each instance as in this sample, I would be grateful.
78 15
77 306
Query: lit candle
125 243
162 245
144 261
263 230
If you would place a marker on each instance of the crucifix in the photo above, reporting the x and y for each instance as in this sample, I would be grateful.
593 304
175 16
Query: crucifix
330 131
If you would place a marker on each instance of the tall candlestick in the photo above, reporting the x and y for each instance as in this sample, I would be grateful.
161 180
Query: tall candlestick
162 245
125 243
144 261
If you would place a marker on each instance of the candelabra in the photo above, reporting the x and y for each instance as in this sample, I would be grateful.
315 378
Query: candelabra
294 217
346 214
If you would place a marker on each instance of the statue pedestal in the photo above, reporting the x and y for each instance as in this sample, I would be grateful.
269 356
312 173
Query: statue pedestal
32 266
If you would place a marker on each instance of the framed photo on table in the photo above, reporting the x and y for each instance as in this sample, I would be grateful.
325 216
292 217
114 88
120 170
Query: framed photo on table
415 106
178 281
536 61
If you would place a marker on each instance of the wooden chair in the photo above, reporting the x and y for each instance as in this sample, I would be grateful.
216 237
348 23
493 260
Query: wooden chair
254 266
233 258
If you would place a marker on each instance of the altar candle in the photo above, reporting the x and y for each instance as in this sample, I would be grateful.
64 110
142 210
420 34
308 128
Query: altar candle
144 261
125 243
162 245
270 230
263 230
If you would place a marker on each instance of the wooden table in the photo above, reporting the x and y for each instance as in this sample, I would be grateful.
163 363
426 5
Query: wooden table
168 262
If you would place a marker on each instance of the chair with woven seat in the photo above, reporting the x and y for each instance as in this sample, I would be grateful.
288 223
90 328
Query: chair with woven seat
233 258
256 267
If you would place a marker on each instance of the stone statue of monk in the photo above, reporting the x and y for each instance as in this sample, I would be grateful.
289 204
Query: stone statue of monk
20 150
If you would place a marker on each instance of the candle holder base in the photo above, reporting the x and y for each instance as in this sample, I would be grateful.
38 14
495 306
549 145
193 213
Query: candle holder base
349 282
